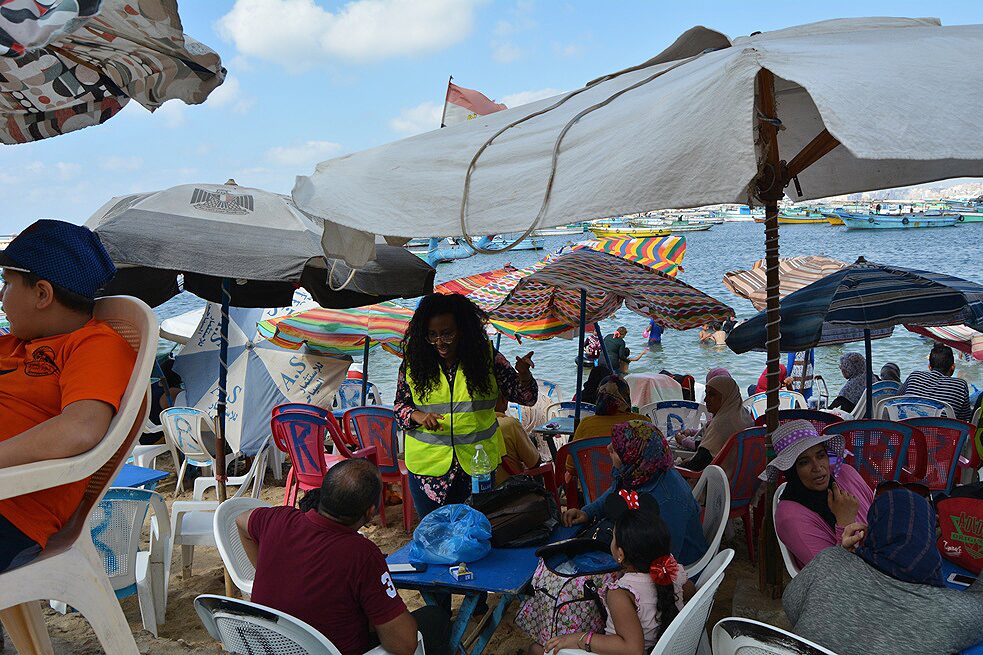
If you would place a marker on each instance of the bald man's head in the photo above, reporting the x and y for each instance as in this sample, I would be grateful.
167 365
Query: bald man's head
349 490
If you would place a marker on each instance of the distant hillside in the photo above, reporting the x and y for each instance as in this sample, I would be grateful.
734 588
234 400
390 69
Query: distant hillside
964 188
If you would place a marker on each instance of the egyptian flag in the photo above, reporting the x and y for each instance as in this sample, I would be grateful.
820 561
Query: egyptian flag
462 104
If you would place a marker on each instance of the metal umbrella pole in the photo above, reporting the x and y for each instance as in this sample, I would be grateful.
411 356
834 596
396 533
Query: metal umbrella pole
365 369
870 375
604 351
223 376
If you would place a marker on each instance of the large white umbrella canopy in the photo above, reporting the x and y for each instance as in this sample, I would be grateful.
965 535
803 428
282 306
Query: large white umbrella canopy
680 131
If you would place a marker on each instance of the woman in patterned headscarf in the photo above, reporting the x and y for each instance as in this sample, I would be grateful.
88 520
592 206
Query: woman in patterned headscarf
853 366
641 461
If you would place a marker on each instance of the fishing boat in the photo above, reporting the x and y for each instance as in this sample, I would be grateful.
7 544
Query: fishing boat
903 221
970 217
529 243
833 218
807 218
676 225
630 232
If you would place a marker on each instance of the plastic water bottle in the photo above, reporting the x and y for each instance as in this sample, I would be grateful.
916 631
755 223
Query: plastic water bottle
481 475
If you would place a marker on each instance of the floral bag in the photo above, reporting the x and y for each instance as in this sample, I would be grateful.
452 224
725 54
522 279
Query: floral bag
565 588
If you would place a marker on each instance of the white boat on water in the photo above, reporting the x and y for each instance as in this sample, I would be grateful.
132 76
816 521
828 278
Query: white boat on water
533 242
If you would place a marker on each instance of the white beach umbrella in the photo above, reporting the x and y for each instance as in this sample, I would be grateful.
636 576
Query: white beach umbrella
681 131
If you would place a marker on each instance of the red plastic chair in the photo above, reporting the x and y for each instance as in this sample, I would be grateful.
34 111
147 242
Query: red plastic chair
592 466
375 426
945 439
544 471
743 458
300 433
883 450
818 419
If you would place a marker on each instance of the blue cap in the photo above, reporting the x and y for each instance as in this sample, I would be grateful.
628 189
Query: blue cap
66 255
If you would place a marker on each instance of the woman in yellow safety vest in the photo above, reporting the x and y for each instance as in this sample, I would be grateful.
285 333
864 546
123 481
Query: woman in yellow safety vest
446 393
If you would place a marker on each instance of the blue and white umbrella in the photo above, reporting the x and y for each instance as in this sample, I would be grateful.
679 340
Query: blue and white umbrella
859 299
260 374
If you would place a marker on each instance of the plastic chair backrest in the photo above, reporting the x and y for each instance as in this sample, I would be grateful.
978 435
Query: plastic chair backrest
944 441
758 403
790 564
591 463
672 416
251 629
230 547
349 395
182 425
303 433
116 524
819 419
745 455
687 630
877 449
900 408
881 394
376 426
301 407
568 409
714 490
737 636
881 385
133 320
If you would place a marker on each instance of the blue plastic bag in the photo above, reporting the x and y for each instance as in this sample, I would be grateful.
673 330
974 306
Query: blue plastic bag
450 535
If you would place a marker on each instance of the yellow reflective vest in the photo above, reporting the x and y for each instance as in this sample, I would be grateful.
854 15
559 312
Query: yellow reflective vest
467 422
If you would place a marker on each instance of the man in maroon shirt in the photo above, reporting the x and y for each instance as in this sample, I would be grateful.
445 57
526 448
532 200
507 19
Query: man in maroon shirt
315 566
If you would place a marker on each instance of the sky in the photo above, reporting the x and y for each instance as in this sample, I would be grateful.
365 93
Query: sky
310 80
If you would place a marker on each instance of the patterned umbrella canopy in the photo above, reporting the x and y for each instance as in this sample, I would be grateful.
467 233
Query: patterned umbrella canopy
866 295
793 274
664 254
341 331
959 337
69 64
543 300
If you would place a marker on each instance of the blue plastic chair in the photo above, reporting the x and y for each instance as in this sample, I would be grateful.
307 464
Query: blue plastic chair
900 408
349 395
591 465
886 384
568 409
879 450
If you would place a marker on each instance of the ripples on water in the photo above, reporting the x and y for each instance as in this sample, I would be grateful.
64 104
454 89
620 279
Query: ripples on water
709 255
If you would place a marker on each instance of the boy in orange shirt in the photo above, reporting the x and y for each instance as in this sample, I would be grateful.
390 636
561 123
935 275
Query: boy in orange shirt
62 373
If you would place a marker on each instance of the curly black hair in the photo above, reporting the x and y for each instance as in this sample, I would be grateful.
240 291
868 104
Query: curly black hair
473 353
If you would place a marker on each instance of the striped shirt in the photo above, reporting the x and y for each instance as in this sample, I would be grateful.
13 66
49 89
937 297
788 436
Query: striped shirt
935 385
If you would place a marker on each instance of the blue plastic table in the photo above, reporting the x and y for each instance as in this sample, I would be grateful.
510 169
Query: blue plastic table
138 476
563 427
505 571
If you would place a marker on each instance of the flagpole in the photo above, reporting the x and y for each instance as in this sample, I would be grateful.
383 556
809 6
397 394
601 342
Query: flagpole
447 95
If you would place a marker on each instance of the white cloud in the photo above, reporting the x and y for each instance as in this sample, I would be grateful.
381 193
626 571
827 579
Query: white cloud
414 120
567 50
229 95
525 97
116 163
505 53
171 113
304 155
298 34
67 170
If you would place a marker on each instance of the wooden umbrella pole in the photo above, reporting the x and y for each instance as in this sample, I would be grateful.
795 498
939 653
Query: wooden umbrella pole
223 374
771 185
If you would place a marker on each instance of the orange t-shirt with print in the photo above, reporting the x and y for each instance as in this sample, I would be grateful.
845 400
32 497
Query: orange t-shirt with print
38 379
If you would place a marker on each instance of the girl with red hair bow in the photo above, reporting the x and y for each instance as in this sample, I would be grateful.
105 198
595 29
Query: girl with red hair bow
651 589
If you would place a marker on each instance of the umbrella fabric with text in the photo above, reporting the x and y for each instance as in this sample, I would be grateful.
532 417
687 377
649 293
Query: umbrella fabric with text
70 64
261 375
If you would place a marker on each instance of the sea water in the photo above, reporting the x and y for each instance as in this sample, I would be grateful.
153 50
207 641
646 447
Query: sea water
709 255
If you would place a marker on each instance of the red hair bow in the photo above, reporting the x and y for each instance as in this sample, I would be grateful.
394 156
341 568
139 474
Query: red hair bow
663 571
631 497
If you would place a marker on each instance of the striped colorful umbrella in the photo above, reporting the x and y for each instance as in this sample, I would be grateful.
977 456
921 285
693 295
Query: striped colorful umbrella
960 337
4 325
341 331
664 254
793 274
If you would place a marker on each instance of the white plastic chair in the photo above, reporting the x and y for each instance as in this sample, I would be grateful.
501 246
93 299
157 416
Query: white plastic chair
899 408
672 416
349 395
568 409
686 632
790 564
146 455
736 636
237 563
252 629
530 417
116 526
714 489
183 427
70 569
758 403
253 477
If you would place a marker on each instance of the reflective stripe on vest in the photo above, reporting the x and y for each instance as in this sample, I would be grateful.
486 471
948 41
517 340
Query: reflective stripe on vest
467 422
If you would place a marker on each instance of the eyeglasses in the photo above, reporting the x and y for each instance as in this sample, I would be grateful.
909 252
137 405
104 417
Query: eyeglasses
443 337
